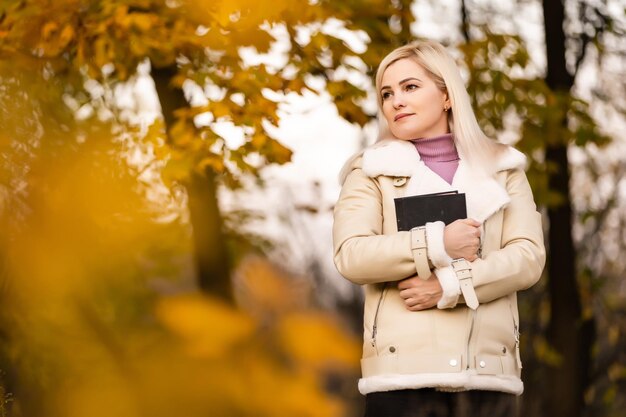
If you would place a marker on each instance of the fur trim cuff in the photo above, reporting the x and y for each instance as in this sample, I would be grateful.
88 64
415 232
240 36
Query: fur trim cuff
450 286
436 249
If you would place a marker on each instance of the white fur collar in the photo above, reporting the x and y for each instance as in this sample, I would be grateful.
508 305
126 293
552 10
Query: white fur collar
484 195
397 158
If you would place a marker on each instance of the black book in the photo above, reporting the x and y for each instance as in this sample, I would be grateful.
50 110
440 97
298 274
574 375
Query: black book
417 210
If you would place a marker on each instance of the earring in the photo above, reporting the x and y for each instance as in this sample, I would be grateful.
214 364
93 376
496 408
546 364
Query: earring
445 108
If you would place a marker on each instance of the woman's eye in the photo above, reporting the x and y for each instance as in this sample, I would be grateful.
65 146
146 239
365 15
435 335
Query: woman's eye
410 87
386 95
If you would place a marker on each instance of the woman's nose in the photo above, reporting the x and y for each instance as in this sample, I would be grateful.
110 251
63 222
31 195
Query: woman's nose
397 101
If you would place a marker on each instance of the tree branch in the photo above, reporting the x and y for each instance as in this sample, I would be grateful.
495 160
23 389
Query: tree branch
600 24
464 22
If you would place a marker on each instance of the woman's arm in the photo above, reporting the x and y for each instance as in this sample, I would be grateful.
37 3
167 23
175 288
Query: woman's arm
520 261
514 267
362 253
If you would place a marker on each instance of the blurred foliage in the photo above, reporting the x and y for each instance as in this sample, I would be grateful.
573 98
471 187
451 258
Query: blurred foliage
85 331
91 323
509 98
107 40
503 94
200 47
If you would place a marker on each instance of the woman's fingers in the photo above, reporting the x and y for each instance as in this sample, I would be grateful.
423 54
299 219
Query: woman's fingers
471 222
462 238
414 304
407 283
405 294
418 294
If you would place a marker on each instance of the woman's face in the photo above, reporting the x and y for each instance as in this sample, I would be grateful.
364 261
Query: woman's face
412 104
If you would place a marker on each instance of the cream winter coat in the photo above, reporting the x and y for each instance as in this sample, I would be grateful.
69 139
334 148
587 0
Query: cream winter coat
452 347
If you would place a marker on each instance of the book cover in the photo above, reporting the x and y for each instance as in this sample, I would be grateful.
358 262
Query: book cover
417 210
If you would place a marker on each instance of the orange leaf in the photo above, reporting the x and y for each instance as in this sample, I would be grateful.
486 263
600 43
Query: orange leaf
207 326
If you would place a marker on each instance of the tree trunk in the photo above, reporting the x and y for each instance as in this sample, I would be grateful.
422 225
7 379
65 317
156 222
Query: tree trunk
568 333
210 248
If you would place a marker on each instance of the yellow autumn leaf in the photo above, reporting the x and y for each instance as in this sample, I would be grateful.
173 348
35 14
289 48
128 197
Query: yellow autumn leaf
182 133
214 162
223 13
208 326
48 29
67 34
120 16
258 140
302 393
176 169
142 21
317 340
265 289
101 54
137 48
305 397
92 396
121 70
297 84
277 152
219 109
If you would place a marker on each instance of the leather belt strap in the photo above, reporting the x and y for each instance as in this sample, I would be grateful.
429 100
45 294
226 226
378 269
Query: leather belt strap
420 254
463 271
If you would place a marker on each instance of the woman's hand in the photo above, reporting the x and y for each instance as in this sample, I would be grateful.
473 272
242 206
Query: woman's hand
419 294
461 239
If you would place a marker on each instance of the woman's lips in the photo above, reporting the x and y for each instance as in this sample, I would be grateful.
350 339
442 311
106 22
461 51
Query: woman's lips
401 116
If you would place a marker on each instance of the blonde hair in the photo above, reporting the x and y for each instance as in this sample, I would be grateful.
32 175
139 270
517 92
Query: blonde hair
471 142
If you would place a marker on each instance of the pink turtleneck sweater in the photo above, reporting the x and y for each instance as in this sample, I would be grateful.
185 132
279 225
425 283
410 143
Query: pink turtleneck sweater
439 154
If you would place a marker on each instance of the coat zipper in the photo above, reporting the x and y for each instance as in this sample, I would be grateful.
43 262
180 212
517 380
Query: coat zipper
480 243
375 326
518 358
469 337
516 334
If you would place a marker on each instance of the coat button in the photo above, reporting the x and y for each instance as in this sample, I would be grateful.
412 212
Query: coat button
399 181
482 364
392 349
453 362
504 349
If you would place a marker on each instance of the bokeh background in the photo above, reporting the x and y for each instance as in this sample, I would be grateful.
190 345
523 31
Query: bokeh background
167 176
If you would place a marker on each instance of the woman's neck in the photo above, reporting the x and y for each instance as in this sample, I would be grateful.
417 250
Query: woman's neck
439 154
438 148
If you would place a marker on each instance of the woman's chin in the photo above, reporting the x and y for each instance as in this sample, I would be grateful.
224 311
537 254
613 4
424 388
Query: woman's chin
403 136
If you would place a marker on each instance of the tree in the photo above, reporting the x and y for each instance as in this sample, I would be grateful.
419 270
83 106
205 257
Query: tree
566 351
199 42
59 52
574 343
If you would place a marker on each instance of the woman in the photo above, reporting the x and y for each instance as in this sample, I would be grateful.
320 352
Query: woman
441 330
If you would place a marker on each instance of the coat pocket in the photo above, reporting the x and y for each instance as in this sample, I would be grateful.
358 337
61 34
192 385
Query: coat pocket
494 331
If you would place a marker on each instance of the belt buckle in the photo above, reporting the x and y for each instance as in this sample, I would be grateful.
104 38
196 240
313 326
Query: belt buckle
460 264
